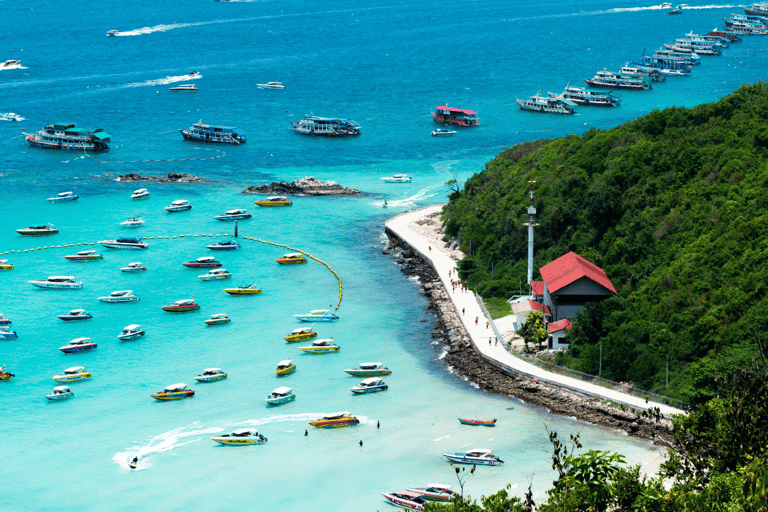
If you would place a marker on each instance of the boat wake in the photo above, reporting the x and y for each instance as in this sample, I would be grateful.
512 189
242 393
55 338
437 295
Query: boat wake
163 81
411 201
11 117
13 67
660 8
619 10
440 439
162 443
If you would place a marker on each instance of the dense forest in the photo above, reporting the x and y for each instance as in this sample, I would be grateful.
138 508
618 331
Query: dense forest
674 207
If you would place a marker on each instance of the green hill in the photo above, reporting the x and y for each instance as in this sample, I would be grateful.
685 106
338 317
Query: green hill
674 207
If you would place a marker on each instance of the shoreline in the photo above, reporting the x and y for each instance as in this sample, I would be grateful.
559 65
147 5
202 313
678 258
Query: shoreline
468 364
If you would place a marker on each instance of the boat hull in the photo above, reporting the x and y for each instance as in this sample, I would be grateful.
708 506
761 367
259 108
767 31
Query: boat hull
166 397
66 379
211 378
59 396
368 390
315 318
124 247
221 321
237 291
293 338
220 277
180 309
382 372
56 286
281 400
133 270
130 337
334 423
192 264
286 371
37 232
75 318
95 257
269 204
235 441
118 300
223 247
482 423
291 261
79 348
320 350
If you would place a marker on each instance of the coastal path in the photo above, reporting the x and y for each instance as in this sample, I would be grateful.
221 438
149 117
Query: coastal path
483 339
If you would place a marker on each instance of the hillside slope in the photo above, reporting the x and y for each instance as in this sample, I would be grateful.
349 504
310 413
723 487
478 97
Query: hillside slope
674 207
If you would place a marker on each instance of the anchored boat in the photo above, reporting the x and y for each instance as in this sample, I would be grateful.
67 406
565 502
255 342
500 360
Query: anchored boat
181 306
456 116
483 423
216 274
292 258
130 333
321 347
141 193
372 385
337 420
76 315
131 243
300 334
250 289
369 370
224 246
7 334
179 205
405 499
434 492
67 136
63 197
84 256
204 262
133 222
280 396
480 457
285 367
218 319
211 375
546 105
133 268
38 230
582 96
74 374
317 315
173 392
78 345
57 283
326 126
274 201
60 393
119 296
239 214
200 132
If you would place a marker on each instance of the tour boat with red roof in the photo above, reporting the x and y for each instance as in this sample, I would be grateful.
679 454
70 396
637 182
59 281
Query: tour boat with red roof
181 306
457 116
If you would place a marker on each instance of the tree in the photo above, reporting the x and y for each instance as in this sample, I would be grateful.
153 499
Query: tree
533 331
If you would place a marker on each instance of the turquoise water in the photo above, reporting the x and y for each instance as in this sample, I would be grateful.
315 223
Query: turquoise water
384 66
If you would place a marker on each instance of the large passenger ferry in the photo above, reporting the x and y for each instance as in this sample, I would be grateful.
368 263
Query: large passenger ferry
216 134
457 116
548 105
609 80
67 136
757 9
582 96
326 126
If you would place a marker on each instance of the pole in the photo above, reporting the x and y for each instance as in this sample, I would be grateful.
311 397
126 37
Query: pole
667 373
600 372
235 229
491 271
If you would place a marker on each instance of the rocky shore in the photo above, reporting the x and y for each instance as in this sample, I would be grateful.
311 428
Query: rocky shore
307 186
468 364
173 177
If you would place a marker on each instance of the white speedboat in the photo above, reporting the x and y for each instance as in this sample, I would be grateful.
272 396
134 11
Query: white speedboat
131 243
74 374
480 457
216 274
130 333
238 214
317 315
405 499
60 393
90 255
141 193
321 347
280 395
38 230
11 116
179 205
229 245
211 375
435 492
133 222
397 178
218 319
442 132
58 283
369 370
76 315
271 85
4 320
371 385
63 197
241 437
119 296
7 334
133 268
184 88
112 33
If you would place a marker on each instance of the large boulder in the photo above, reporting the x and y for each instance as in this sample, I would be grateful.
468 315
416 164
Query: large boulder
306 186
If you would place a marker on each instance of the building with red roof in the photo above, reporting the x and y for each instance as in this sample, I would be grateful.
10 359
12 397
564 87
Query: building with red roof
570 282
537 290
521 309
557 331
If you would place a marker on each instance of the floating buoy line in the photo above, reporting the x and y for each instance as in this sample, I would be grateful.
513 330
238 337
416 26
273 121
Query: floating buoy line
338 303
172 159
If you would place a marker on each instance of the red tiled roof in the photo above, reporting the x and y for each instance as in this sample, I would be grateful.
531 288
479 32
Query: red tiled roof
537 287
536 306
457 110
559 325
571 267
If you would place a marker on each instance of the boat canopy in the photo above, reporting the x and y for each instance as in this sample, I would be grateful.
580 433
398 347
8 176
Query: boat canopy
128 240
101 135
135 264
292 255
74 369
218 271
61 389
441 487
285 363
218 315
567 102
86 253
302 330
370 366
120 293
479 452
318 312
205 259
211 371
277 198
336 415
140 191
132 327
80 341
180 202
281 391
242 432
184 302
77 312
457 110
373 381
175 387
61 278
322 343
234 212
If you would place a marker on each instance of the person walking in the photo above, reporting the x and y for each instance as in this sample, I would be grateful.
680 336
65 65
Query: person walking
486 325
462 311
476 319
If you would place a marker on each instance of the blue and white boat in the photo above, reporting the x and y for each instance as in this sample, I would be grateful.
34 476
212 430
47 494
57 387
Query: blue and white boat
371 385
76 315
131 243
7 334
480 457
78 345
238 214
179 205
326 126
131 332
442 132
547 105
63 197
200 132
229 245
317 315
60 393
67 136
280 396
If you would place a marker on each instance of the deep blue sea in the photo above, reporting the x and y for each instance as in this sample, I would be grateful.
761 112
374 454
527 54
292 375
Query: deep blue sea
384 65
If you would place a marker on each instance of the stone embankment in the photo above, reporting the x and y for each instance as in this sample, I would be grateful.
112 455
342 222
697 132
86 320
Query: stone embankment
173 177
468 364
307 186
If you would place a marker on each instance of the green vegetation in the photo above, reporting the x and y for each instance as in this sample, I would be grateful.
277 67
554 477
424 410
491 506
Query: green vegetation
719 463
497 306
674 207
533 331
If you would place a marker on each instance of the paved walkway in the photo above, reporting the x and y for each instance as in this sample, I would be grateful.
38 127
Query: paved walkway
480 334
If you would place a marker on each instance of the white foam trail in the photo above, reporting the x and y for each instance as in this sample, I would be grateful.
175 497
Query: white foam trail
411 201
173 26
617 10
162 443
309 416
440 439
164 81
17 66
